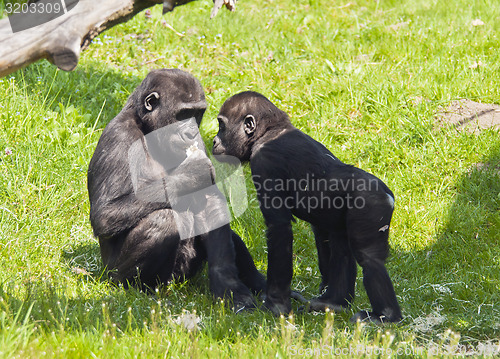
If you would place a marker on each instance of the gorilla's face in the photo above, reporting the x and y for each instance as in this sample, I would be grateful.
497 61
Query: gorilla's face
166 97
243 119
172 144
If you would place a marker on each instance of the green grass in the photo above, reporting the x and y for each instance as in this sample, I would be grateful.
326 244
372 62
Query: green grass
348 79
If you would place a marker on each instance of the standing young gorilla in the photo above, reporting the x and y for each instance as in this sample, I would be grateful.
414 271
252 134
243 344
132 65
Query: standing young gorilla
350 210
130 210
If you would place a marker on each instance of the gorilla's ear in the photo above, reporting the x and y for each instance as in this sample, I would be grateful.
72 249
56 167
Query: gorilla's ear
151 101
249 124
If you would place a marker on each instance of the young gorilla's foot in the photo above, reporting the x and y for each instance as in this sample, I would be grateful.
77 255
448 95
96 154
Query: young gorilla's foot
293 294
321 304
366 316
299 297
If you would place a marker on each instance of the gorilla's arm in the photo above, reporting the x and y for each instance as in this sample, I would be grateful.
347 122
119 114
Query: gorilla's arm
114 207
196 172
279 230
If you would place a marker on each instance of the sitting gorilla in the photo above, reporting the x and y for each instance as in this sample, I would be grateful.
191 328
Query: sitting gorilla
147 165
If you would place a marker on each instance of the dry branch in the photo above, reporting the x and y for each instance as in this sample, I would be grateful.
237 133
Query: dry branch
62 39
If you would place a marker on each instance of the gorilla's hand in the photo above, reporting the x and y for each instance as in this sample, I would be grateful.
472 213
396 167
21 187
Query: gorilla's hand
196 172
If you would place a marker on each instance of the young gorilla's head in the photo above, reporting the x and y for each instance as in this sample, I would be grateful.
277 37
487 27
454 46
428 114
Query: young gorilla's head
244 119
166 96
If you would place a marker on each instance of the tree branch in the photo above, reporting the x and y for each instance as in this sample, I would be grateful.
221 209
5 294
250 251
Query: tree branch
62 39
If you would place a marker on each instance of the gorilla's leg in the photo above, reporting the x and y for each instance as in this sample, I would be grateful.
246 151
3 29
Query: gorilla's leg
323 249
149 251
220 250
342 272
222 271
368 236
191 256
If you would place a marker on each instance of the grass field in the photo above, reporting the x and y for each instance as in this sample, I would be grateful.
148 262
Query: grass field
365 77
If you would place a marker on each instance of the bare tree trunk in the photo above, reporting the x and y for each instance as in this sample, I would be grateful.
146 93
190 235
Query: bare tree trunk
62 39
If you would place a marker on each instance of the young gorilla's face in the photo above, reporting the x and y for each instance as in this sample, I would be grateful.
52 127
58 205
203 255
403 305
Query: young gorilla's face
230 139
221 140
237 126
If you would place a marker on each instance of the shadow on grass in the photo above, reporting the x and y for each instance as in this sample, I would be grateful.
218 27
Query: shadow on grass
84 259
92 89
85 300
455 283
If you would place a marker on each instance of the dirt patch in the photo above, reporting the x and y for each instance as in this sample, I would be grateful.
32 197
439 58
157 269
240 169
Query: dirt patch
469 115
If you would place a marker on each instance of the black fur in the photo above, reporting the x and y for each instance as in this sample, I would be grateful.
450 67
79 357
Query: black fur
139 240
297 176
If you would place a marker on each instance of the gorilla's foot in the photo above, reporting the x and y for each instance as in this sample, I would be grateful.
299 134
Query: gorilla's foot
322 304
366 316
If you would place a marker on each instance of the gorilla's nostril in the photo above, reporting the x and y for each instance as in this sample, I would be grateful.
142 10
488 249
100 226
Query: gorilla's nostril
191 135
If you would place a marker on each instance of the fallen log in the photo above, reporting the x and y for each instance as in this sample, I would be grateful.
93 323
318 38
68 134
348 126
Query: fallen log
61 39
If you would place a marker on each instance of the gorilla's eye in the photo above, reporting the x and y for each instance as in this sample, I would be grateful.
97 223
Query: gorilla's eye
189 113
222 126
